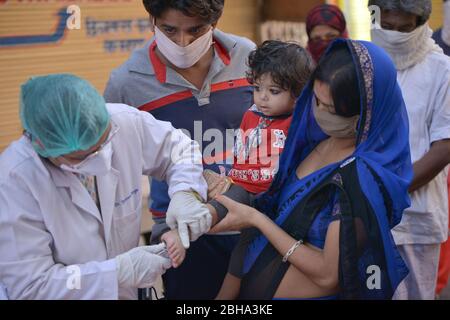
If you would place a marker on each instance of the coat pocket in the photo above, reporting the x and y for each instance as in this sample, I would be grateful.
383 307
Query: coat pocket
127 229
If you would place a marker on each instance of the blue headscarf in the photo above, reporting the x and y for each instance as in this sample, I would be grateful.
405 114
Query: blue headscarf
382 149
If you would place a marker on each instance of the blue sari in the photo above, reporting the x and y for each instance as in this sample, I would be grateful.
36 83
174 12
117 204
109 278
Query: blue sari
377 175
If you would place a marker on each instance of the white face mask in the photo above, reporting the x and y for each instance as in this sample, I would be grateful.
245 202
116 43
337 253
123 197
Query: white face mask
183 57
96 164
405 48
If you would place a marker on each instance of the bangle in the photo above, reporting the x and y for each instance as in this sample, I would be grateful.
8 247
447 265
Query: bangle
291 250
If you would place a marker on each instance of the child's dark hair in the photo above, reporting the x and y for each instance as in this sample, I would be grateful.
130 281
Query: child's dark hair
338 71
289 65
209 10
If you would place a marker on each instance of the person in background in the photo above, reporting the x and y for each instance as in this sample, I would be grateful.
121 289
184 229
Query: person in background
70 194
194 76
442 38
444 258
324 23
442 35
424 77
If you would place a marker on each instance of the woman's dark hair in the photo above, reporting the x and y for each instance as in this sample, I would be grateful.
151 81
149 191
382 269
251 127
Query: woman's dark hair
338 71
208 10
289 65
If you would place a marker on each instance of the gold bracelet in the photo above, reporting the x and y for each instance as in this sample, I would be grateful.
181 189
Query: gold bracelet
291 250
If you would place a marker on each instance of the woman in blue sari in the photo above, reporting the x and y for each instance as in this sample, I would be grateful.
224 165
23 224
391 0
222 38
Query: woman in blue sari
322 230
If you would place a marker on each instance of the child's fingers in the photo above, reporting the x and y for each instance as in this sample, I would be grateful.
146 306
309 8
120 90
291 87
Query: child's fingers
181 259
171 250
171 246
174 254
181 256
176 261
178 257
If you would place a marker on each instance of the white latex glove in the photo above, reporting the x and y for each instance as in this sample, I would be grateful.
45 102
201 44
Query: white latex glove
141 266
187 213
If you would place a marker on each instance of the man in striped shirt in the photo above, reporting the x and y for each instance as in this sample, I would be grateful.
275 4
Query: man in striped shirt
194 76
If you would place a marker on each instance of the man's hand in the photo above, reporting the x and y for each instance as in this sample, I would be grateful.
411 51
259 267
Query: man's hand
187 213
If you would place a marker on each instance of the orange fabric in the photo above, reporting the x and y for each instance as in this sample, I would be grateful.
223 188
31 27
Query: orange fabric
444 260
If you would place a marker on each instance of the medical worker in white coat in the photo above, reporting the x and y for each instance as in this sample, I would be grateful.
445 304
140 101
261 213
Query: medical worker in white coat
70 194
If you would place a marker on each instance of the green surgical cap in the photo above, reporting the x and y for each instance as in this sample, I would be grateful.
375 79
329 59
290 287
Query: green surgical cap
62 113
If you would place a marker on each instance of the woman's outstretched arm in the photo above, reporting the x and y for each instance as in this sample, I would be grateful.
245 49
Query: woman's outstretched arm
321 266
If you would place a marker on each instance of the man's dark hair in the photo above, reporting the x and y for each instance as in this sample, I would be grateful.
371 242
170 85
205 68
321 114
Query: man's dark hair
338 71
289 65
208 10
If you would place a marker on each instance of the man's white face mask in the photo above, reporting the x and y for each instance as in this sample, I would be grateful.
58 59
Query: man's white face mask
183 57
395 40
405 48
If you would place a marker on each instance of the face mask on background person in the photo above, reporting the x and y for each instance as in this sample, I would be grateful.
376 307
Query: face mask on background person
324 16
183 57
96 164
335 125
318 47
406 48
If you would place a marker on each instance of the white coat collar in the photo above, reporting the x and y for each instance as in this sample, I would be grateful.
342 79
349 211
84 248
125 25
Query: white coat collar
107 186
78 194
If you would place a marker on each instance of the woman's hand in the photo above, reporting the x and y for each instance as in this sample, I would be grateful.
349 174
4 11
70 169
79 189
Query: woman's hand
239 216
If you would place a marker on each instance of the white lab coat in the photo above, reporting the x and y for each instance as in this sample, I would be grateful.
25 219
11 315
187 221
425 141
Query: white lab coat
3 293
51 229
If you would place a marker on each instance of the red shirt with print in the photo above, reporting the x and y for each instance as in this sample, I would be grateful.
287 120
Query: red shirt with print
259 143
